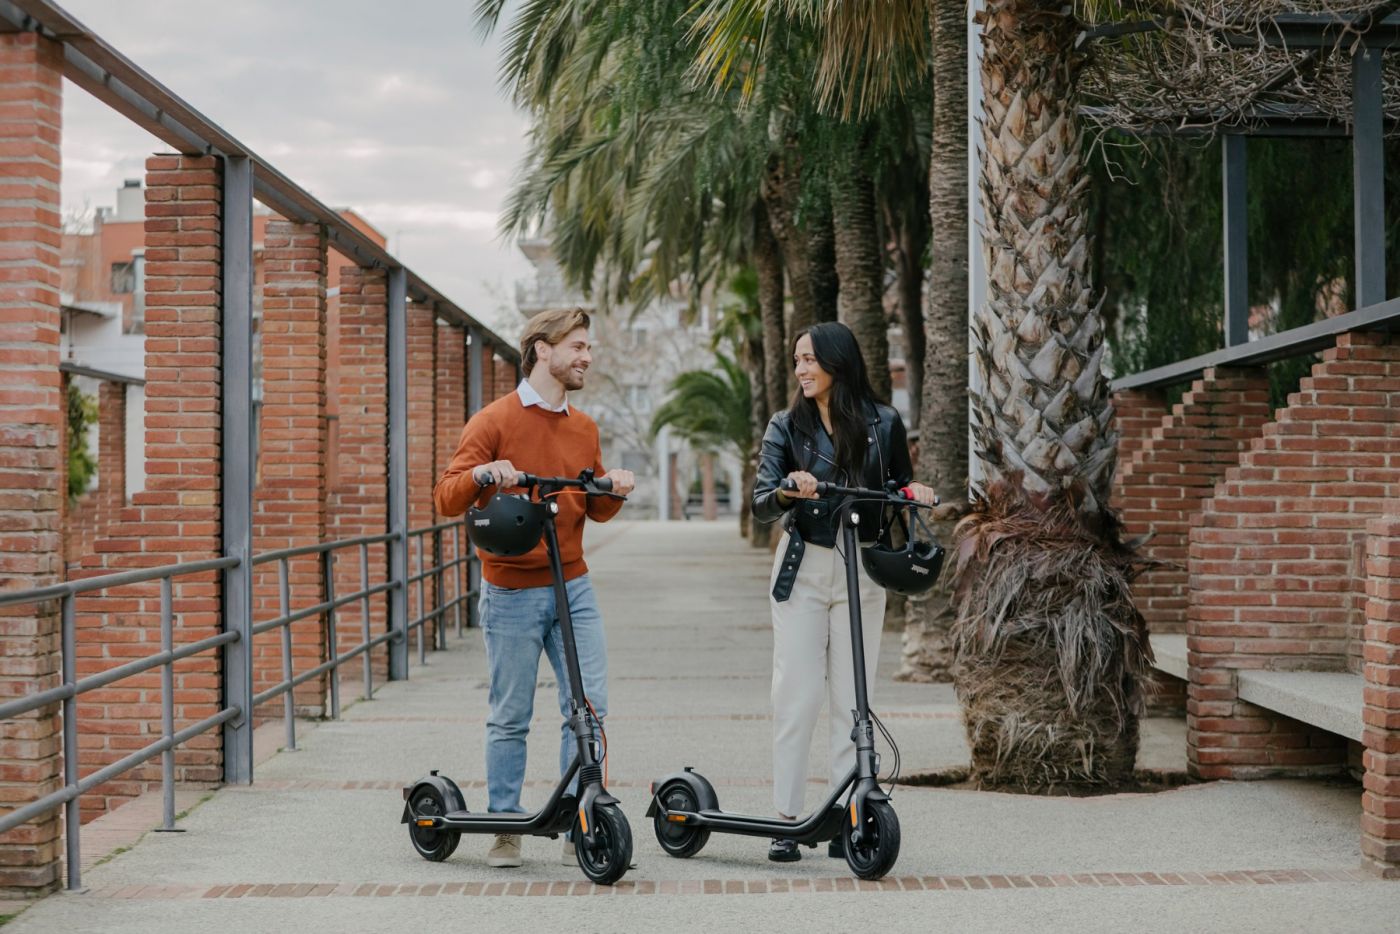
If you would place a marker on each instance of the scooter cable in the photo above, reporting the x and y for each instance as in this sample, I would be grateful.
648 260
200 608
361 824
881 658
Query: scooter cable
894 747
604 733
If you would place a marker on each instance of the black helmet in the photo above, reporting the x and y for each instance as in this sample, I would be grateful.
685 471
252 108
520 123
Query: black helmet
509 525
909 570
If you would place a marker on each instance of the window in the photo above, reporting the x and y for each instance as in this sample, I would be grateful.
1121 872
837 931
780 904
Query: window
123 278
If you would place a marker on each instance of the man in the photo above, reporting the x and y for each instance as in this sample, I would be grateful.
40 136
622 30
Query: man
534 430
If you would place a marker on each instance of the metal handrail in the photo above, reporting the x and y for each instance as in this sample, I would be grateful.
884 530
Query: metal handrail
72 687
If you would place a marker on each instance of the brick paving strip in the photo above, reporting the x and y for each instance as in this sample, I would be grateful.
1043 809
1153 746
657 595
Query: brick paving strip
626 718
1081 880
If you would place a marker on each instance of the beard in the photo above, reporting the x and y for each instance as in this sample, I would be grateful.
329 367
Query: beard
566 376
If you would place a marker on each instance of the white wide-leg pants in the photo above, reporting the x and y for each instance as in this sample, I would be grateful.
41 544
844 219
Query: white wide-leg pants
812 663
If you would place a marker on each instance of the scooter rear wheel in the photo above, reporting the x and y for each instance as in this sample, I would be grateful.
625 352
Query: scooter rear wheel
609 857
677 839
432 844
879 846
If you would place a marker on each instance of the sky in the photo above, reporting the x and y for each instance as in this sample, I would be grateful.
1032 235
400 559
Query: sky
392 109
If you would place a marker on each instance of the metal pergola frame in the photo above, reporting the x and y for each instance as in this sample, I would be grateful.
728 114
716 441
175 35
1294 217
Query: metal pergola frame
1372 32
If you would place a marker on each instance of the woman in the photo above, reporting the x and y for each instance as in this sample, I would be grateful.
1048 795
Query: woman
835 431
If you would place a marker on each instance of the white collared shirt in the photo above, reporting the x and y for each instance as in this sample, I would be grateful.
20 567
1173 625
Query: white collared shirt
529 397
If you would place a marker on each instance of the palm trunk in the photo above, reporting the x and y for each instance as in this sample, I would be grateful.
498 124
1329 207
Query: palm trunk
781 190
759 534
1050 650
821 257
908 237
858 260
768 265
942 461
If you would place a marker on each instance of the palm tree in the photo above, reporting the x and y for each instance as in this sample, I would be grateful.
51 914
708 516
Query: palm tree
1051 651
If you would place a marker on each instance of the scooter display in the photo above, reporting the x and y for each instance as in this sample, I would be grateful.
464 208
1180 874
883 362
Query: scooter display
434 808
685 809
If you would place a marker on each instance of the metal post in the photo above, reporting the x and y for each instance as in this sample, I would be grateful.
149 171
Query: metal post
332 649
284 609
72 819
364 621
440 588
422 615
398 471
1368 176
236 469
167 708
1234 178
458 572
475 400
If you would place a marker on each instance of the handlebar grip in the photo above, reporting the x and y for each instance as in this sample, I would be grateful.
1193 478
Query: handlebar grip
604 484
787 485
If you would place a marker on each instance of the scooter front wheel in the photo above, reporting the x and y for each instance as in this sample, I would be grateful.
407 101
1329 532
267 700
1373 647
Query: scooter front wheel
676 838
431 843
878 849
609 856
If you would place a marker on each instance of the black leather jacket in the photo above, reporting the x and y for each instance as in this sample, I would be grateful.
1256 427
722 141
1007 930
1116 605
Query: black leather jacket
786 449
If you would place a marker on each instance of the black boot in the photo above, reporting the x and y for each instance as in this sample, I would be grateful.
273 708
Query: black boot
783 850
836 849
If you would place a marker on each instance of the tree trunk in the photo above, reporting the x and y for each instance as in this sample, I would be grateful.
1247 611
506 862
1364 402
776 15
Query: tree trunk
942 457
768 265
817 220
781 190
709 507
755 354
1050 651
859 262
908 237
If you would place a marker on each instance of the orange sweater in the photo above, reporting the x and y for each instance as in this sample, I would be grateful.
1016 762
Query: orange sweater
536 441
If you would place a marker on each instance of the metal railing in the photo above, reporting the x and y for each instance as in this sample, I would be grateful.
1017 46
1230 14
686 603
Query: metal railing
457 569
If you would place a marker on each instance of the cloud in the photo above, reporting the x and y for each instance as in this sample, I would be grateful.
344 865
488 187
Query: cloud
398 116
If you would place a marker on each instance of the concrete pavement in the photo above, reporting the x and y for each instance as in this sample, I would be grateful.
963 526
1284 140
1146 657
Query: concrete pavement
315 843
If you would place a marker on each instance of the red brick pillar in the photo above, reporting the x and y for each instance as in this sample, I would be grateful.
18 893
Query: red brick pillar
176 519
503 375
422 379
32 408
450 414
1380 819
289 504
111 454
359 503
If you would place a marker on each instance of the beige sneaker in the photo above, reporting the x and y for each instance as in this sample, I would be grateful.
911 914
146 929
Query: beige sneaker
506 853
569 856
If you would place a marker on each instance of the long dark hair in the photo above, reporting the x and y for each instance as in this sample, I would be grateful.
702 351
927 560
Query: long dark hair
838 353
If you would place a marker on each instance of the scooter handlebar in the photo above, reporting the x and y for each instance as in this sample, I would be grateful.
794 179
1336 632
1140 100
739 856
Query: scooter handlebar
903 495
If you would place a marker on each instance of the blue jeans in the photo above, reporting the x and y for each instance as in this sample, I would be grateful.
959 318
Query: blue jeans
519 624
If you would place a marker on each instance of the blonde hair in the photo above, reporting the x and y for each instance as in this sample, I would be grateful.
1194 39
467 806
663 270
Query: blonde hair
550 327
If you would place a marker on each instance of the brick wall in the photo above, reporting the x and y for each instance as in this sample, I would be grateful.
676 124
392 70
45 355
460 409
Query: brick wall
289 503
31 445
1174 469
503 379
1380 802
1136 414
359 503
89 519
1276 581
176 518
450 414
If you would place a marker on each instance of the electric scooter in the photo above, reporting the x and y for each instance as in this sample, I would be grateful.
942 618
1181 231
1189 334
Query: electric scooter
437 813
685 810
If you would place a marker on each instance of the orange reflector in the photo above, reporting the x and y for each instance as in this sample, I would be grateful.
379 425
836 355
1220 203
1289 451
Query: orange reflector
853 813
676 818
583 820
424 822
